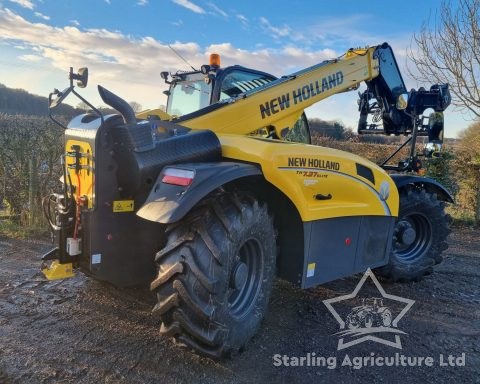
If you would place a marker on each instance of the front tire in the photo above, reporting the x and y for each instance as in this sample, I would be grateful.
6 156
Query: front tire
420 236
386 318
215 274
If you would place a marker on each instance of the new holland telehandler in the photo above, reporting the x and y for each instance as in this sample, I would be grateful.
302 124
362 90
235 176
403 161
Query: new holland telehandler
210 200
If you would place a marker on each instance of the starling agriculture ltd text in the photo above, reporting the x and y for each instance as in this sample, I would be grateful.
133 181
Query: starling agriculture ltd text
359 362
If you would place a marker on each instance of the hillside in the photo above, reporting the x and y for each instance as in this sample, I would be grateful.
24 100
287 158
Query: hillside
20 102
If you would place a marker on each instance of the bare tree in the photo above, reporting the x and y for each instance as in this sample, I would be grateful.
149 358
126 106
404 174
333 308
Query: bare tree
467 166
137 107
83 106
448 51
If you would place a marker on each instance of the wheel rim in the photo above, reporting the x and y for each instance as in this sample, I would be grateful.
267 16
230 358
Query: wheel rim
352 322
387 319
244 288
413 235
368 321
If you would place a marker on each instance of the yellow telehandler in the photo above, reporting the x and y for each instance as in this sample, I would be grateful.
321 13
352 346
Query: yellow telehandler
211 199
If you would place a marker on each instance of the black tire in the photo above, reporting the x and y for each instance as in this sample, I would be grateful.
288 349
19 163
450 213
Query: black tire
215 274
423 213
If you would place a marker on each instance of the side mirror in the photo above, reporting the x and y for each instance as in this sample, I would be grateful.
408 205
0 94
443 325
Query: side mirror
164 76
60 96
56 97
81 77
402 101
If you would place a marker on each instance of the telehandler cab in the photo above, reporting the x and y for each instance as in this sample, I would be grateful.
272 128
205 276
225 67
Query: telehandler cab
210 200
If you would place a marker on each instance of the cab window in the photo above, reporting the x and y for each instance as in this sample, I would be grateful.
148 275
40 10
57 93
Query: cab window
238 82
300 133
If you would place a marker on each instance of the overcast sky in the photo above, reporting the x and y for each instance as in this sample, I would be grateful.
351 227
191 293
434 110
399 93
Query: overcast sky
125 42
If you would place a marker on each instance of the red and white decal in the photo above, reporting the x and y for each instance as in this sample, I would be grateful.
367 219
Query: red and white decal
176 176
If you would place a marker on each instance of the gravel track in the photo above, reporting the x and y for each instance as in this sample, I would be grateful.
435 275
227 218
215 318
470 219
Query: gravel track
84 331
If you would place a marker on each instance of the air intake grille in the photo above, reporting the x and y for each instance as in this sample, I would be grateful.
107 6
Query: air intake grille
365 172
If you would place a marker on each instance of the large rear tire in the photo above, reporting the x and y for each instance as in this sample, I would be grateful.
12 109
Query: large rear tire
215 274
420 236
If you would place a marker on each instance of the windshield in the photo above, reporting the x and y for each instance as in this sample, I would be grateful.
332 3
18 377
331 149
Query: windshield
189 95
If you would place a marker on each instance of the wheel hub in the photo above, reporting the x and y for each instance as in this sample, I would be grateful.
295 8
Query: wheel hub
406 234
412 238
239 275
245 278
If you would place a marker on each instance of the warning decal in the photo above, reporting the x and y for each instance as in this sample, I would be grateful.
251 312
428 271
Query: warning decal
123 206
311 269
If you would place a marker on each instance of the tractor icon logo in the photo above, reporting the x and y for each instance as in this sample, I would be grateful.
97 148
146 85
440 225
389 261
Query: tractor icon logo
370 314
371 321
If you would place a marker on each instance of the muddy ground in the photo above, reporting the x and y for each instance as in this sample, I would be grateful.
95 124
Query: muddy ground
84 331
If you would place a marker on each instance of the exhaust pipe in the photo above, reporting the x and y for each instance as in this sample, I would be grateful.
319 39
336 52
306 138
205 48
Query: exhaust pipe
118 104
131 136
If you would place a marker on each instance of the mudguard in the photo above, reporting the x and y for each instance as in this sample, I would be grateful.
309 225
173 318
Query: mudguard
168 203
430 185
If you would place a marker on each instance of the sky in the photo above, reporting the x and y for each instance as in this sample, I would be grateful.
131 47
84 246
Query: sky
124 43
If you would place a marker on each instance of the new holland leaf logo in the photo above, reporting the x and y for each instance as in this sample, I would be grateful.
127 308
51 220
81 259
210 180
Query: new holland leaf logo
365 322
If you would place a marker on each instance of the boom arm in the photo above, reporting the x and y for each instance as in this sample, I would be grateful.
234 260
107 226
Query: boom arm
280 103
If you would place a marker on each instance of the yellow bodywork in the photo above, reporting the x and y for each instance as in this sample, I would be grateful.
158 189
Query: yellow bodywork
154 112
303 171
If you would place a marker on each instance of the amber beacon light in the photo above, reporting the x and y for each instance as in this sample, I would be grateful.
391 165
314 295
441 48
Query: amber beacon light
215 60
